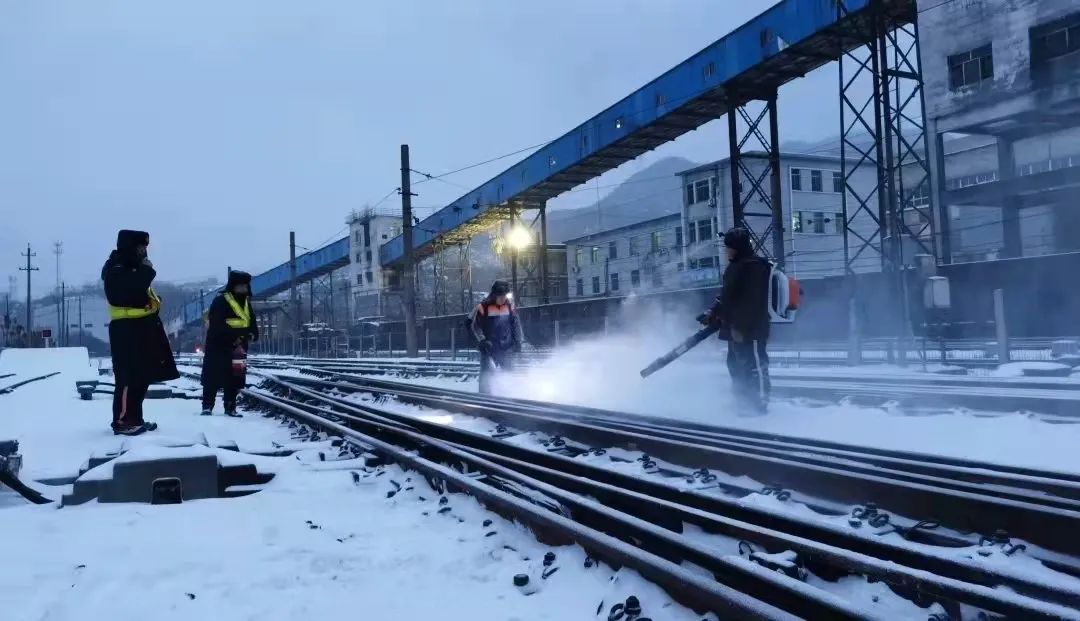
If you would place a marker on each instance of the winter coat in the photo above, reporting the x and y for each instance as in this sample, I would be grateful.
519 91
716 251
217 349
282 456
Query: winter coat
140 349
743 305
497 324
221 340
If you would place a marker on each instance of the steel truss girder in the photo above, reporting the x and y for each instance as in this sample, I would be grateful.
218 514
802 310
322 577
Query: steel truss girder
891 116
748 186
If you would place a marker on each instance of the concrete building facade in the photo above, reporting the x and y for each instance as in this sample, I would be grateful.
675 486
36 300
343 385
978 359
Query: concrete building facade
1008 73
368 230
528 292
812 205
645 256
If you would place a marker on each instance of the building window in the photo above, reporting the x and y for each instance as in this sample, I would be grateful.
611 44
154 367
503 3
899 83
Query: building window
796 179
369 277
707 262
367 256
678 237
367 233
595 284
701 191
1055 39
357 257
704 232
594 255
970 68
635 278
690 194
359 279
580 285
577 257
817 222
613 249
654 241
357 237
815 181
615 281
838 182
920 196
635 246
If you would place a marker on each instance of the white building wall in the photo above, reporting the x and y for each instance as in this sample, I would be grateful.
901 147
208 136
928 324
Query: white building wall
642 257
815 251
367 232
95 318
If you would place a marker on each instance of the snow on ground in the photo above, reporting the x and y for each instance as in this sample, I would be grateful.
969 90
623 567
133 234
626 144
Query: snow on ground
312 544
604 373
800 506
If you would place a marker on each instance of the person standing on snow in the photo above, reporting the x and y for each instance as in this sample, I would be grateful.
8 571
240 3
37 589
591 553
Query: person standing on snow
141 354
230 329
495 326
742 311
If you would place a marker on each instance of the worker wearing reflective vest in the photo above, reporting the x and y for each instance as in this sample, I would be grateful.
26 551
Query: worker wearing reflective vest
230 328
141 354
497 331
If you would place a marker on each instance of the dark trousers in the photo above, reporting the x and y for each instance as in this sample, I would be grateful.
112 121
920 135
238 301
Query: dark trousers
490 364
209 395
127 405
748 364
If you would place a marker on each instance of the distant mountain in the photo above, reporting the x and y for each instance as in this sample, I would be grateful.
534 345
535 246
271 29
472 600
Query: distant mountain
650 193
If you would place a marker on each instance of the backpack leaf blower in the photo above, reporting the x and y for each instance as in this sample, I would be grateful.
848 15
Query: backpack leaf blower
785 294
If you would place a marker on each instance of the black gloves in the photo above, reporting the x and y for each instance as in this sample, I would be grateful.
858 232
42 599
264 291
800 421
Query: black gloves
484 346
704 319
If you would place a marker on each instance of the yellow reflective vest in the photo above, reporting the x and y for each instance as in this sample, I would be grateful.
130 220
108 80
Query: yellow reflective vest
243 313
123 312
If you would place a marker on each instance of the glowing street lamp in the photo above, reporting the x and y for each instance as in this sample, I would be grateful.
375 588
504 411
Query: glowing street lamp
519 238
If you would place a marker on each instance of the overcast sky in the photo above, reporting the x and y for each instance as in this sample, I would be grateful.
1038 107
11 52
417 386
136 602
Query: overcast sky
219 125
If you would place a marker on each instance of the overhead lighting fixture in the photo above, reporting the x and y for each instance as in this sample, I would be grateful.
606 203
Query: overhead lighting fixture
519 238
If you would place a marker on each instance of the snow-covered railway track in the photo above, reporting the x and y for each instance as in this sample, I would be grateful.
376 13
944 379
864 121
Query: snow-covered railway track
1049 396
920 571
23 382
1040 507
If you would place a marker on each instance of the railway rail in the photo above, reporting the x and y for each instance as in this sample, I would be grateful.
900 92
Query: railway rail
1056 397
698 476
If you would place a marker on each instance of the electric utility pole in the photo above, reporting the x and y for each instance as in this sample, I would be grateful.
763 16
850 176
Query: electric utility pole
61 328
409 283
58 250
294 301
28 269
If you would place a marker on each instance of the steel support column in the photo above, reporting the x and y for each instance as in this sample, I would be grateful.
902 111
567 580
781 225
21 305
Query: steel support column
755 191
942 226
882 131
1012 241
544 299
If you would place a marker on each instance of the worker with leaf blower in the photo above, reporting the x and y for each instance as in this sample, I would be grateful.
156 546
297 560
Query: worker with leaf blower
230 329
496 329
742 314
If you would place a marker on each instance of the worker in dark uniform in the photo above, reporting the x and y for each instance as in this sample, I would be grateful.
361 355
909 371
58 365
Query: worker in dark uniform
140 349
230 330
497 331
742 312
